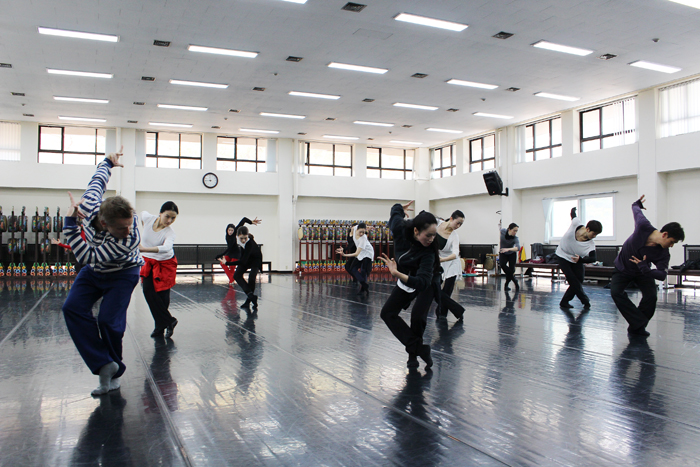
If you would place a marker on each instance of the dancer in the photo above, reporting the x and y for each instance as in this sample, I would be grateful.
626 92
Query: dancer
508 253
158 274
111 259
251 259
361 266
575 249
417 269
448 243
229 258
351 248
646 245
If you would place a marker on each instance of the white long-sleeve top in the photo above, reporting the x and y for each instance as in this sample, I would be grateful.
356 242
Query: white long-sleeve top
453 267
163 239
569 246
363 245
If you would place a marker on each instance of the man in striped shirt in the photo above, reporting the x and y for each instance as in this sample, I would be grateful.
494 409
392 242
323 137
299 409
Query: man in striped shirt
111 263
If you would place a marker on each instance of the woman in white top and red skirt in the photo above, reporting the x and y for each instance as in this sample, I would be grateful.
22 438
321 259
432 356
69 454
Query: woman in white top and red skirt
448 244
158 274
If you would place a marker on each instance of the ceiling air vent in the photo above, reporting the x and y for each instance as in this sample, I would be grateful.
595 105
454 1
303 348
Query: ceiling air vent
19 94
356 7
161 43
512 89
235 111
607 56
370 139
419 75
453 110
132 121
368 100
503 35
256 88
5 65
138 103
28 115
291 58
216 127
301 134
406 126
147 78
330 119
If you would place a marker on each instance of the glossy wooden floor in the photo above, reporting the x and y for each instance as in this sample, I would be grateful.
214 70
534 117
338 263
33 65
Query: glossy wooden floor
316 379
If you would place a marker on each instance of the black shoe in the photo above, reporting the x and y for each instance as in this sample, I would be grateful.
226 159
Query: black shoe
638 332
565 305
246 304
424 354
253 298
157 332
505 287
517 286
412 361
170 329
587 306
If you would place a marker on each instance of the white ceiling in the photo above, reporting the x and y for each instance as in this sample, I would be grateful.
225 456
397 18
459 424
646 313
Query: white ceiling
320 32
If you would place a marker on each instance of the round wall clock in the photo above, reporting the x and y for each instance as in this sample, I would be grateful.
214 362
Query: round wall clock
210 180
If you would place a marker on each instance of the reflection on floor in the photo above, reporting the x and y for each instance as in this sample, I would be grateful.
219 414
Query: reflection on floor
315 378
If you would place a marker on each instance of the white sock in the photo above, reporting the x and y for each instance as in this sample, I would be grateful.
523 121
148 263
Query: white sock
106 373
115 384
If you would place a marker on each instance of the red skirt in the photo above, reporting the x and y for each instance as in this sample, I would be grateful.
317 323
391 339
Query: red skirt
164 272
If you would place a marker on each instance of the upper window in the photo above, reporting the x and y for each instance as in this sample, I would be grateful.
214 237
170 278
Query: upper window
679 108
9 141
543 140
608 126
482 153
71 145
241 154
444 164
590 208
328 159
390 163
173 150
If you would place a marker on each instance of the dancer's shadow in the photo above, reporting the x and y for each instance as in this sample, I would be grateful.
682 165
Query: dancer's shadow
101 442
250 347
415 443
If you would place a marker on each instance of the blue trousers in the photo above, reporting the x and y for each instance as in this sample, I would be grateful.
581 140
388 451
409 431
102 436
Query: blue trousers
99 341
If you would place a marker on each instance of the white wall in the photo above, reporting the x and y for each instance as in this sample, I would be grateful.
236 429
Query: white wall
683 191
480 217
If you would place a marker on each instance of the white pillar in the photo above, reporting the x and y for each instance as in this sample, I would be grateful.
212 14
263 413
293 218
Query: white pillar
126 137
649 182
422 180
360 164
287 240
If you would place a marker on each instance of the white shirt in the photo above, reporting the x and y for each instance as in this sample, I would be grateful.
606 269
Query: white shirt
454 266
163 239
363 246
569 246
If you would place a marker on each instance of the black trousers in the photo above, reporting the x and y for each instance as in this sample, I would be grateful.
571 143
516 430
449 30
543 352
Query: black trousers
507 263
637 316
574 273
410 336
248 287
361 270
158 303
446 302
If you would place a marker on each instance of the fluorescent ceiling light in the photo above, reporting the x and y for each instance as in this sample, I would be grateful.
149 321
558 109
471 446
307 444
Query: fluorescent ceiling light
182 107
410 143
313 94
197 83
655 66
366 69
471 84
81 99
218 51
270 114
82 119
557 96
360 122
436 23
175 125
79 35
562 48
88 74
340 137
692 3
442 130
251 130
415 106
482 114
295 1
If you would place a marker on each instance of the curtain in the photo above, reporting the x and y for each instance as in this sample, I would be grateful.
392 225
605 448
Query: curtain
679 108
547 208
9 141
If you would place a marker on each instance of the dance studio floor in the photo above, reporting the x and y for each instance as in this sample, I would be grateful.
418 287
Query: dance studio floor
316 379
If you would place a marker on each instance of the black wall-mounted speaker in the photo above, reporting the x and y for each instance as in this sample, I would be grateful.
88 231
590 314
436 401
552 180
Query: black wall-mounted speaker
494 184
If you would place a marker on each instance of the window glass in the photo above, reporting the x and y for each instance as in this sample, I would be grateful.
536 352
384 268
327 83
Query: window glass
410 154
226 148
341 172
600 209
77 139
168 163
247 150
50 158
150 143
373 158
168 145
246 166
321 153
591 123
393 174
556 131
372 173
79 159
50 138
343 155
191 146
561 218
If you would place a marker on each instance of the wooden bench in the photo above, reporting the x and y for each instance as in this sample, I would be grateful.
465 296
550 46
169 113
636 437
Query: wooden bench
590 271
204 257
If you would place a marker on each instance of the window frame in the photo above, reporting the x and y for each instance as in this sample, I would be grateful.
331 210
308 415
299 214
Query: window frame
98 155
405 170
442 168
308 165
179 157
235 159
581 214
482 160
550 147
600 137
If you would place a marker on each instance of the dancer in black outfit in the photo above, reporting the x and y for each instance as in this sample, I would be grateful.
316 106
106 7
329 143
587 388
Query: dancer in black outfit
251 259
229 258
508 253
418 270
351 248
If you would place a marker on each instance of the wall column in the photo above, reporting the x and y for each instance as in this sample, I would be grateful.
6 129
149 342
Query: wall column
649 182
286 243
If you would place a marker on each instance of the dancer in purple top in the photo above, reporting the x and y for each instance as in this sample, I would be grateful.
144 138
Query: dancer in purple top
644 247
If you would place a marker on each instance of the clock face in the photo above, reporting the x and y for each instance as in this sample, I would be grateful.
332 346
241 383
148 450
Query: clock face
210 180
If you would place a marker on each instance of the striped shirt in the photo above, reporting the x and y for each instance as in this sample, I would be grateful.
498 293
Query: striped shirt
100 249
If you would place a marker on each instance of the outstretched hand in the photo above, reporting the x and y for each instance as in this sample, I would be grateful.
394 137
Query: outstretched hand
114 157
636 260
390 263
641 201
257 221
407 206
339 250
74 209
